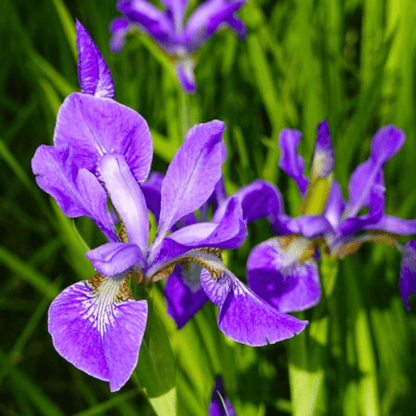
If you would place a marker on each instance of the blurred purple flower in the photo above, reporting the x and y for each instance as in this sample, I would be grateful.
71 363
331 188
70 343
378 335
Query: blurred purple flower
169 29
103 150
220 404
283 271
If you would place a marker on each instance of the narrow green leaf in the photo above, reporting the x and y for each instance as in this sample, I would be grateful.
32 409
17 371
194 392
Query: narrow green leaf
33 277
39 399
98 409
68 25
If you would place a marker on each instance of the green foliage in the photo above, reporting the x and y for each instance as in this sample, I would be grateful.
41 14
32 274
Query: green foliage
350 61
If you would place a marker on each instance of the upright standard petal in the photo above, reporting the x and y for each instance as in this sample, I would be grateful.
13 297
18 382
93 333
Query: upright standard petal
407 282
127 198
290 160
99 329
386 142
176 11
288 284
208 18
93 73
243 316
192 174
323 155
335 205
220 404
94 127
76 191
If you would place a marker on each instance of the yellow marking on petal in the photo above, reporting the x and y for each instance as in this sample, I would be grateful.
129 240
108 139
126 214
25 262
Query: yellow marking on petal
170 267
123 293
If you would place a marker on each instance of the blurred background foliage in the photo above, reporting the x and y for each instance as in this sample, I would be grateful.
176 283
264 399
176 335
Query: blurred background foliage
351 61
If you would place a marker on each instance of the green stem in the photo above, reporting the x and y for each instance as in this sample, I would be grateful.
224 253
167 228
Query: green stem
308 353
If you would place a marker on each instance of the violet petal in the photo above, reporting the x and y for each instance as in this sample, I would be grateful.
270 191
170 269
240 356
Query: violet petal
151 190
310 226
193 173
335 205
119 27
208 18
98 335
246 318
216 406
127 198
155 22
376 209
184 297
77 192
407 282
290 160
184 69
260 199
386 142
93 73
115 258
94 127
323 155
289 288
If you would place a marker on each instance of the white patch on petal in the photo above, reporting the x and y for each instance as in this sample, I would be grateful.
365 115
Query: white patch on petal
100 307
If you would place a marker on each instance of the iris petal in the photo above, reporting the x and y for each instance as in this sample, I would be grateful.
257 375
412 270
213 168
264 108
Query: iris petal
288 287
96 332
93 73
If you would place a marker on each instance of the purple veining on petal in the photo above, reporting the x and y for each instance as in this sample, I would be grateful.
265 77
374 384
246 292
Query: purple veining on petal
127 198
93 73
192 174
184 294
407 282
239 307
288 287
77 191
323 155
290 160
94 127
218 399
97 334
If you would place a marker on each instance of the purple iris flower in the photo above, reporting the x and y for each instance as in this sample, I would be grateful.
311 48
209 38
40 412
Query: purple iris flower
175 35
102 153
283 270
184 292
220 404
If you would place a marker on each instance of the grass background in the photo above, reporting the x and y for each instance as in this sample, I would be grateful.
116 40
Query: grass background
350 61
